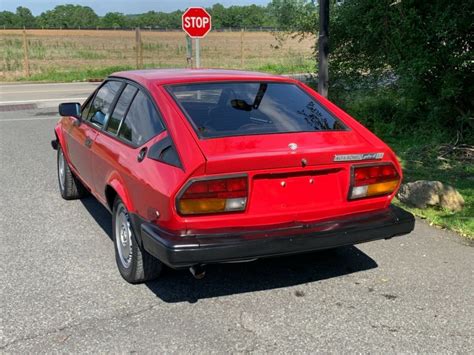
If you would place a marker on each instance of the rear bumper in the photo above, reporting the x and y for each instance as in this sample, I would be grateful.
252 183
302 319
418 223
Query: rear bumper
233 245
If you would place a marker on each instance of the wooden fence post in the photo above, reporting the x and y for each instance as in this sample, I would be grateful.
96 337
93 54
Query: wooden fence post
139 48
189 51
241 48
26 61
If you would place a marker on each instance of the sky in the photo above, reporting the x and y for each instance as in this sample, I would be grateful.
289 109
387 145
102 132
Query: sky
101 7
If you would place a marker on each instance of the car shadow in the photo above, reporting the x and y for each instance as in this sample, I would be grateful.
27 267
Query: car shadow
99 213
264 274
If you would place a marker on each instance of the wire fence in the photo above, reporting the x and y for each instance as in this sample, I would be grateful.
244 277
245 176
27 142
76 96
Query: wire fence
33 53
145 28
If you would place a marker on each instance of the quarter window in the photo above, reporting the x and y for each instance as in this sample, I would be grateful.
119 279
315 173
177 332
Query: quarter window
142 121
121 108
103 100
85 110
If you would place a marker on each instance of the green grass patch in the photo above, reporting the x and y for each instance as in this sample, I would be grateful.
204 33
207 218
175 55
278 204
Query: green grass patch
296 64
422 160
72 75
54 75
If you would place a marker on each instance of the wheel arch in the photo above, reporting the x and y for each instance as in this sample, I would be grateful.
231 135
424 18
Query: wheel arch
115 187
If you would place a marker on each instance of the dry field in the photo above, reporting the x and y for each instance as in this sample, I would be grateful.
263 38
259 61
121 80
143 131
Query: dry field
80 50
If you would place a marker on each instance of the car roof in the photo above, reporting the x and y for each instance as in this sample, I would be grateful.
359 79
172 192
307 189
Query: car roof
176 76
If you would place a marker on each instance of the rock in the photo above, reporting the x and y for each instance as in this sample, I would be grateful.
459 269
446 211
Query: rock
424 193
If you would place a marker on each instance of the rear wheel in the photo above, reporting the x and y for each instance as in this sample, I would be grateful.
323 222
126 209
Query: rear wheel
69 186
134 263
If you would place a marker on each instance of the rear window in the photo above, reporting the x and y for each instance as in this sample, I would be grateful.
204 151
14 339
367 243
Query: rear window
238 109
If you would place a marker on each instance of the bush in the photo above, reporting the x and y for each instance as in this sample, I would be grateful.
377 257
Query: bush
413 57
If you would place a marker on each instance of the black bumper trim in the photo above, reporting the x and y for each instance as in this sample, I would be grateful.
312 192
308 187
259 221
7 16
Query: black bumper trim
183 251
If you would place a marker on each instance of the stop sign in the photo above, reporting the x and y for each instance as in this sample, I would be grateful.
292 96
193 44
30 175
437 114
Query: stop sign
196 22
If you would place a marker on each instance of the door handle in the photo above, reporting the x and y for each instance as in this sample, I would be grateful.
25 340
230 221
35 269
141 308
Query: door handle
88 142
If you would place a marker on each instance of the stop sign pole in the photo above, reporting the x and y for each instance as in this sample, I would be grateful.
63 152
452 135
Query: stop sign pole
196 22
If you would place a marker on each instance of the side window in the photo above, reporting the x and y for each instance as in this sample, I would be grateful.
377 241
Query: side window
121 108
142 121
101 106
85 109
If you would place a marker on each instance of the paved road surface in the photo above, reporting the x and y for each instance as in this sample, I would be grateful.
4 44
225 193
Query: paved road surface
61 290
43 95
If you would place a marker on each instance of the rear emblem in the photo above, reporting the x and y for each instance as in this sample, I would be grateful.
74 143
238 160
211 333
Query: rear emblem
356 157
293 146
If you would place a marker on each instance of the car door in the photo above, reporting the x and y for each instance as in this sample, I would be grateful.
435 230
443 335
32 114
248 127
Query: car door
83 134
133 122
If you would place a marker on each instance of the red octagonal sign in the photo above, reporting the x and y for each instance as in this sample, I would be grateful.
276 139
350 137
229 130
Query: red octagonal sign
196 22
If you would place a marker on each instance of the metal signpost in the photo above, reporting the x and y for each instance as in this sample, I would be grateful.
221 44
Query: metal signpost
196 22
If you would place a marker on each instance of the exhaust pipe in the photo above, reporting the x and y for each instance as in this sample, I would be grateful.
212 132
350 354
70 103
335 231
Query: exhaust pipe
198 271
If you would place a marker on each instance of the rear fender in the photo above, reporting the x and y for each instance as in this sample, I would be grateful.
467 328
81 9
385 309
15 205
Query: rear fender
116 182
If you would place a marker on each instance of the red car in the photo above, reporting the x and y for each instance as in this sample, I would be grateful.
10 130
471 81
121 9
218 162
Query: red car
209 166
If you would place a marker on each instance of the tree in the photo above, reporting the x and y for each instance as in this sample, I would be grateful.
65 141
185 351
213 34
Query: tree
217 11
425 46
113 20
8 19
417 54
69 16
295 15
24 17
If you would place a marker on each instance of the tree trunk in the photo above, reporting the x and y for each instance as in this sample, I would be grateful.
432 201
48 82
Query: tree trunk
323 46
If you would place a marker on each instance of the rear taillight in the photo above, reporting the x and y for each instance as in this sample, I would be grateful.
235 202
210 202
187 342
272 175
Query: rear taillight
374 180
227 194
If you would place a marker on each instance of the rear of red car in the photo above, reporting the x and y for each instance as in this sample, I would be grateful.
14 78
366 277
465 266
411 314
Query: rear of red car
283 171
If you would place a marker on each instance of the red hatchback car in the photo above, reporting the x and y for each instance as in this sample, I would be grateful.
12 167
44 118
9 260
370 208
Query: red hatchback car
209 166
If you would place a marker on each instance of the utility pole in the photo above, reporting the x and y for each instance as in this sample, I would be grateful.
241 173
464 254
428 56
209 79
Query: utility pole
323 47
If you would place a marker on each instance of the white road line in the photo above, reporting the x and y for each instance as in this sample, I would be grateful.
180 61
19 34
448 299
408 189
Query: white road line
39 91
41 100
43 84
28 119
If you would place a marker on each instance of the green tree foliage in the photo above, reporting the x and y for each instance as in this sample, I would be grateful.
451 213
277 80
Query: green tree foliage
24 17
113 20
69 16
155 19
251 16
21 18
425 46
8 19
75 16
295 15
404 64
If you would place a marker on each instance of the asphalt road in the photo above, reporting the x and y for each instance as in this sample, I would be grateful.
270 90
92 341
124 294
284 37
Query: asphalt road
61 290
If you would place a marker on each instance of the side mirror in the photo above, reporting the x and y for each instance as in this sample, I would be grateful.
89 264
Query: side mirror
70 109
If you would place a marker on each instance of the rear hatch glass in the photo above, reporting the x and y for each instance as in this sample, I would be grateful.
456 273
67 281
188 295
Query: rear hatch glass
223 109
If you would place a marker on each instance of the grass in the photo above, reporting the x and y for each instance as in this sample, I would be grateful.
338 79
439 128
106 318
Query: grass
68 55
93 74
421 161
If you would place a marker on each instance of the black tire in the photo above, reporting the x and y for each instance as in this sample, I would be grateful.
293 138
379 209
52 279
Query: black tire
69 187
135 264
